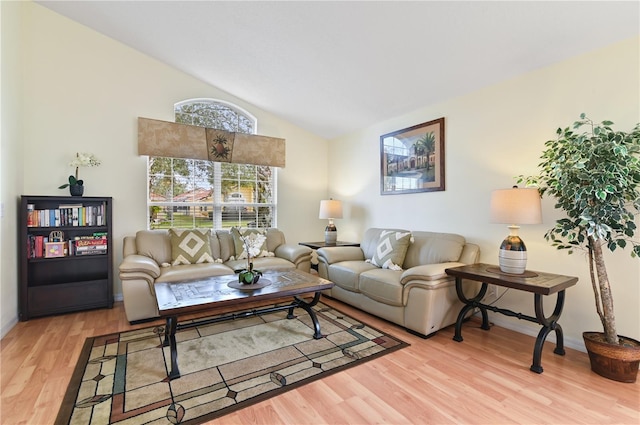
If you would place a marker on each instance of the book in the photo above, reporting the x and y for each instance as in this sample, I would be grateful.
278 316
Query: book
91 252
90 242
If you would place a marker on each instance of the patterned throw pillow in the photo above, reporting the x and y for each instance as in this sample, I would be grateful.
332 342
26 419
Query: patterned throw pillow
256 241
190 246
391 250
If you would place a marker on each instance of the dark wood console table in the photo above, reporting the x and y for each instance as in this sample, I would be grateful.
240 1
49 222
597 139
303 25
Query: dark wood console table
538 283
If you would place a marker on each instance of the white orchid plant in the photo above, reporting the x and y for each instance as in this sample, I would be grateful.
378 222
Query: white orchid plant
252 243
82 159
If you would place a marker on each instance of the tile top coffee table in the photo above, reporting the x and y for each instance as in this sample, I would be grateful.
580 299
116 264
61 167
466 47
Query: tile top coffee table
176 299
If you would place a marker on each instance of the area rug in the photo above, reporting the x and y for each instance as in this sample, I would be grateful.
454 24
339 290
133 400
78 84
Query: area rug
122 378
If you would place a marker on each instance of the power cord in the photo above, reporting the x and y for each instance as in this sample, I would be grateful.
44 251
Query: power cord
477 311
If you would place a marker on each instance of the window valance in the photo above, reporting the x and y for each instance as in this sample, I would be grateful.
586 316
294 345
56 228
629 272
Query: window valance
175 140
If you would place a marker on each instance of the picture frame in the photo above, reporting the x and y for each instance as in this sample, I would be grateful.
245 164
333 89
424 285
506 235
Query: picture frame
412 159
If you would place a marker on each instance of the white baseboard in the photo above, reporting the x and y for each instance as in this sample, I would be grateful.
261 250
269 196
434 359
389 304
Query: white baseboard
7 327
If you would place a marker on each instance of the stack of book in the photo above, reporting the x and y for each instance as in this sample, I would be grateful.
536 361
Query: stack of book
88 246
67 215
39 246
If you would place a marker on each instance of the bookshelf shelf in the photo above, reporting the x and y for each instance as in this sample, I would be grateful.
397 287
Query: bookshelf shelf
54 277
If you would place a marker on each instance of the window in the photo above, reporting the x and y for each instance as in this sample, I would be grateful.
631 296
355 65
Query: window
190 193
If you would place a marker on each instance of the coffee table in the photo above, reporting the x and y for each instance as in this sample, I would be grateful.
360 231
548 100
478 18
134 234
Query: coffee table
177 299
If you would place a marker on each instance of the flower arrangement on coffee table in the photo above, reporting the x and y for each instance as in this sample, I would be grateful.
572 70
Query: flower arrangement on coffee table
252 243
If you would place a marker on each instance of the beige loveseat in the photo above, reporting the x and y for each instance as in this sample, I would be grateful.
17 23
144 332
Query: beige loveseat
421 297
147 257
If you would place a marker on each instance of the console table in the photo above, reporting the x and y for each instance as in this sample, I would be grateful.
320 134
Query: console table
538 283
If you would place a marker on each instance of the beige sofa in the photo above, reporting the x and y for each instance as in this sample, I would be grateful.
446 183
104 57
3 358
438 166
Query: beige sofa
147 255
421 297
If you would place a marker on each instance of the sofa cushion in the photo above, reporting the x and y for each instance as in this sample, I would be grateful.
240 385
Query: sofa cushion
391 249
433 248
382 285
190 246
194 271
154 244
254 240
345 274
262 264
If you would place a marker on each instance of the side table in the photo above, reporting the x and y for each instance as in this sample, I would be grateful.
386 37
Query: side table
538 283
318 245
322 244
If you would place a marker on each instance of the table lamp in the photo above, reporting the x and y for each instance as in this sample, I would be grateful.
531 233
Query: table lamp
330 209
515 206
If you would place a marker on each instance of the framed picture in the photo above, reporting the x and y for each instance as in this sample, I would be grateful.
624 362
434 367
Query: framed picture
412 159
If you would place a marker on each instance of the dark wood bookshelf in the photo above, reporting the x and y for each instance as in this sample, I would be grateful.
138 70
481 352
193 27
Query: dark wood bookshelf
71 282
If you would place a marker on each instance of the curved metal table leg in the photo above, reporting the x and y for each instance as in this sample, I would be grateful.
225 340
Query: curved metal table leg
170 341
470 305
308 307
548 324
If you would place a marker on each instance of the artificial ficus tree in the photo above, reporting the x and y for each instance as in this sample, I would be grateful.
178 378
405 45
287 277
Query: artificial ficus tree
593 173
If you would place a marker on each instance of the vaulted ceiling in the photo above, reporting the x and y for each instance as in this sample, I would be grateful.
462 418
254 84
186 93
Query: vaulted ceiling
334 67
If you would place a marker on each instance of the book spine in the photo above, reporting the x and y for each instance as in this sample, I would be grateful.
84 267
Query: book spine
39 246
31 215
91 248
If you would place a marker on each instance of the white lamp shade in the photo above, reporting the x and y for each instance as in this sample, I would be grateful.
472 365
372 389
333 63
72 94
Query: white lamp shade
516 206
330 208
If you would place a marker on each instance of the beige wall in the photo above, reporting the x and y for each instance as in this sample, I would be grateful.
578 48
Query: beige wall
492 135
10 159
84 92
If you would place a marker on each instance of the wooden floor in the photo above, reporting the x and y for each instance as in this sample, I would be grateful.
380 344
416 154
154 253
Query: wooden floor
483 380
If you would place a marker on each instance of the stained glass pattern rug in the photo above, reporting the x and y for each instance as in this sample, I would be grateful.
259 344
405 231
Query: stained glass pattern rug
121 378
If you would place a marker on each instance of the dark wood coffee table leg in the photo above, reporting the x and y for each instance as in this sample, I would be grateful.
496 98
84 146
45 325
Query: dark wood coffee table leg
308 307
170 341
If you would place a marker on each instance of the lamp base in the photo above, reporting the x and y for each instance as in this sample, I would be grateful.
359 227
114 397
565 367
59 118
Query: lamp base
330 235
512 256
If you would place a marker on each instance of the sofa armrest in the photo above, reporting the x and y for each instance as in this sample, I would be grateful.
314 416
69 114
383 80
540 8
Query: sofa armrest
336 254
427 272
293 253
139 264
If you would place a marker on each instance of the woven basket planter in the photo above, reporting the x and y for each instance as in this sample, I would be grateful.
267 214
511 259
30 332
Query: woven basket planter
613 361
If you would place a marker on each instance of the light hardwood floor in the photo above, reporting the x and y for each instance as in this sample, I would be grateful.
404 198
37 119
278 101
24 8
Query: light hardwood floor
483 380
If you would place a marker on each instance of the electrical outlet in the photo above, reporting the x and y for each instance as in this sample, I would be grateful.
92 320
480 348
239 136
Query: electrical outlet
492 292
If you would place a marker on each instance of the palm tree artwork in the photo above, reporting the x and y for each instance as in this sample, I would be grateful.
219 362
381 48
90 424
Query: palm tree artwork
412 159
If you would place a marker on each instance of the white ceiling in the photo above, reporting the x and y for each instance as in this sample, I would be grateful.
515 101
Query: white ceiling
334 67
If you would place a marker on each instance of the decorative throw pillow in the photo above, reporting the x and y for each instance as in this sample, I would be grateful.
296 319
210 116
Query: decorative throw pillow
391 249
190 246
253 239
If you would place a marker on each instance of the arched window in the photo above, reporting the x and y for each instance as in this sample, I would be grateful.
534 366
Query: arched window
190 193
